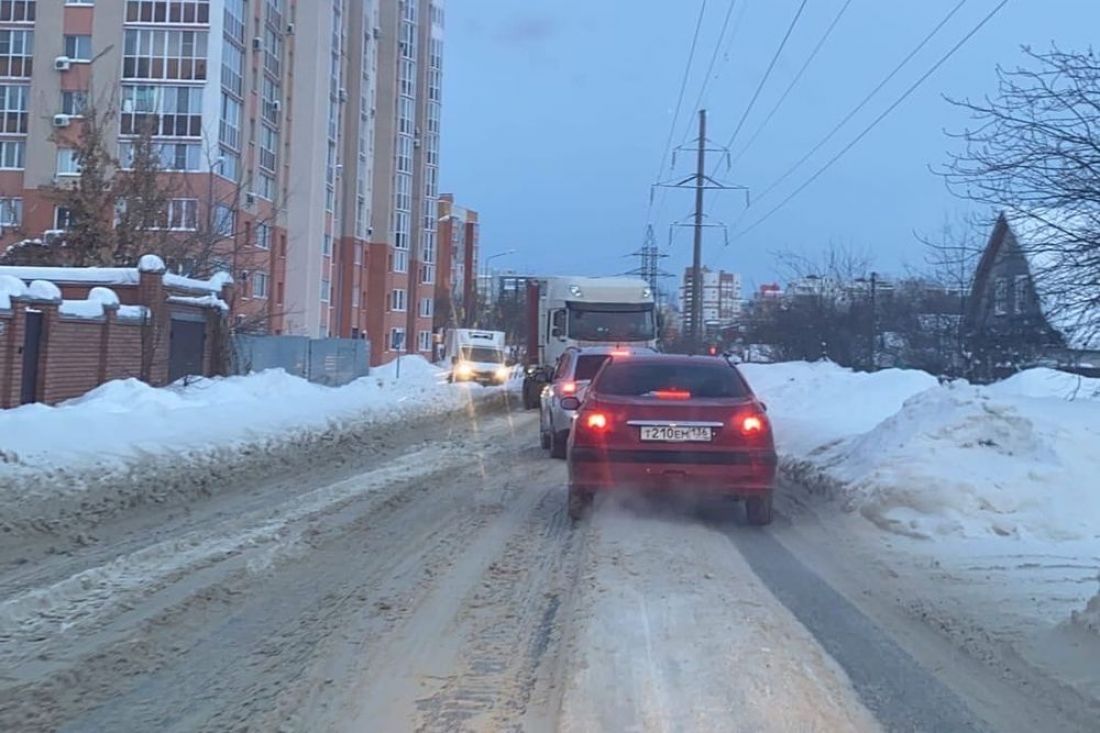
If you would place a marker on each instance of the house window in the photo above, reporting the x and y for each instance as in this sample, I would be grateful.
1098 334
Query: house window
168 11
11 212
74 103
263 236
1000 296
427 307
326 245
225 220
68 162
12 154
78 48
172 156
398 300
17 11
16 51
326 290
259 285
1022 299
424 340
181 215
400 261
171 111
13 108
396 339
62 218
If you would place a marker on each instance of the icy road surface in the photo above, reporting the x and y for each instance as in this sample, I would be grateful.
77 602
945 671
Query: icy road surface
432 582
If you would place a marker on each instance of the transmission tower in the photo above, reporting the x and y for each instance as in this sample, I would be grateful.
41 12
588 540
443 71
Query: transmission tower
649 266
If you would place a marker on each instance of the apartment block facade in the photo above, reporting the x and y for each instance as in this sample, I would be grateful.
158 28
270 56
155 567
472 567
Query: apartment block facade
302 135
721 297
458 258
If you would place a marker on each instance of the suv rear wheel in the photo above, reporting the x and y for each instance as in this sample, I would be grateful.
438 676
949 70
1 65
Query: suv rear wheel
559 442
580 503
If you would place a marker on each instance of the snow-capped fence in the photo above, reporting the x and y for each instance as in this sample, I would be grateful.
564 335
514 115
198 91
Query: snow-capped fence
332 362
64 331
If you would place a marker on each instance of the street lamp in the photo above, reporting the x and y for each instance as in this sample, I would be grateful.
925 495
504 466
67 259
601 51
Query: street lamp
489 277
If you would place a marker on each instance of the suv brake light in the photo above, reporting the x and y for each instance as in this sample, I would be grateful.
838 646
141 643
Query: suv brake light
596 421
672 394
750 425
569 388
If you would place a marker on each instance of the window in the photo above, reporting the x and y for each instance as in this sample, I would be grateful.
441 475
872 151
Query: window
168 11
269 146
427 307
396 339
1022 299
168 54
260 285
233 69
11 212
424 340
225 220
171 111
68 162
1000 296
267 189
427 274
263 236
62 218
80 2
230 125
173 156
183 215
17 11
234 20
398 300
16 52
326 290
74 103
13 108
12 154
400 261
326 244
78 48
642 380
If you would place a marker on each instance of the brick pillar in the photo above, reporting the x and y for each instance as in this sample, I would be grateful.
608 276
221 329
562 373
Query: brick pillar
10 359
50 316
110 315
155 332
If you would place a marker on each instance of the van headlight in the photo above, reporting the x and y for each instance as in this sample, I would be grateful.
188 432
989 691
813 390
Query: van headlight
464 370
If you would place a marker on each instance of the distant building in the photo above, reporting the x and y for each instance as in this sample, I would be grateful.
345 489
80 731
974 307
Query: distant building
1025 307
458 258
721 298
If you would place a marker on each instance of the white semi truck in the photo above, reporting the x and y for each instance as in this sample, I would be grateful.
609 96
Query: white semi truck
583 311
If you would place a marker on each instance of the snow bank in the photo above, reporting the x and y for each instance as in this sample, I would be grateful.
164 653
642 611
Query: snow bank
1089 618
102 438
1044 382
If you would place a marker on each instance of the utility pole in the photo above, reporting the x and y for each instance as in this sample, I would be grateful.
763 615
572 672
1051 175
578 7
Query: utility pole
874 317
700 182
697 249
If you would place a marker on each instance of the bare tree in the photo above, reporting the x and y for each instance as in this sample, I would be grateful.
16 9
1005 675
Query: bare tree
1035 153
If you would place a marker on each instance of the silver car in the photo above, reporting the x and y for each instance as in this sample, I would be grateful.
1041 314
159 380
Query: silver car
574 372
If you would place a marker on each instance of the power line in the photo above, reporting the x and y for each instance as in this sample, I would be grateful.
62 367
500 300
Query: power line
864 102
794 82
878 119
680 99
768 72
710 67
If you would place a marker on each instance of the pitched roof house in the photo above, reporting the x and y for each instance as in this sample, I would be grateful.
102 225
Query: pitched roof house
1028 305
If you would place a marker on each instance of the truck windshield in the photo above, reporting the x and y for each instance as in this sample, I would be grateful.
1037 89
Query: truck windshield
587 324
483 355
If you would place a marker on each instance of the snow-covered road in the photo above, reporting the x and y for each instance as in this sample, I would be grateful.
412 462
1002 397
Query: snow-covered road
429 580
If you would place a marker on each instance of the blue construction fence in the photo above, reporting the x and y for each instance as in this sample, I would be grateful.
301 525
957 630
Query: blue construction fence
332 362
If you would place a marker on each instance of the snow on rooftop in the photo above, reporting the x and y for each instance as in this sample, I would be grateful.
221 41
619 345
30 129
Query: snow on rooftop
213 285
44 290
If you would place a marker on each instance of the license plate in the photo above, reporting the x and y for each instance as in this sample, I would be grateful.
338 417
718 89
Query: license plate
676 434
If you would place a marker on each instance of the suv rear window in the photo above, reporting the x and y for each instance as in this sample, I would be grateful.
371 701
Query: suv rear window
588 365
701 380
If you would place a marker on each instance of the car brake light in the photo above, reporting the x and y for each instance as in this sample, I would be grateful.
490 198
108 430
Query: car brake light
596 421
620 353
569 388
752 425
672 394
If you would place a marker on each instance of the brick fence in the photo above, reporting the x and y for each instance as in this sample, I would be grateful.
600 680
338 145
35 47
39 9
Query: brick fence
64 331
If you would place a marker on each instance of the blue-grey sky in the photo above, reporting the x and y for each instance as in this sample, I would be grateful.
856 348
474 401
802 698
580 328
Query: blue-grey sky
556 113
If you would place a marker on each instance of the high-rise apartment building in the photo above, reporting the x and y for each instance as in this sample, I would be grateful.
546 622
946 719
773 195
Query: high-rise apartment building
721 297
458 257
300 139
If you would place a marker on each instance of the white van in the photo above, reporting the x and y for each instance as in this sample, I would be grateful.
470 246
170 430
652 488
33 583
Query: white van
475 356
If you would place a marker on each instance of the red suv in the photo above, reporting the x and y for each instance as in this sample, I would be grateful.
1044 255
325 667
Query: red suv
669 423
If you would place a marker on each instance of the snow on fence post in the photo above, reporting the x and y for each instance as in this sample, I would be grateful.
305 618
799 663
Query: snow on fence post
154 335
45 297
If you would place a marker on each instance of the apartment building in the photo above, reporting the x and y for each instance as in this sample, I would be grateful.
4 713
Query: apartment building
302 137
458 258
721 297
203 76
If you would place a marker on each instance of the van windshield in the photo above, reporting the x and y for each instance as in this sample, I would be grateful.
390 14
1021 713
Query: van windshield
483 355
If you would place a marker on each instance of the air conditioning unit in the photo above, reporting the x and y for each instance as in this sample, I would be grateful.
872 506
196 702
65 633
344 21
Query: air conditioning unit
377 32
277 106
62 63
62 120
249 198
290 29
343 95
416 143
257 44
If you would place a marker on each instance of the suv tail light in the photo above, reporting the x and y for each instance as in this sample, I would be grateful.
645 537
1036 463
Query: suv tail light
751 424
597 422
568 387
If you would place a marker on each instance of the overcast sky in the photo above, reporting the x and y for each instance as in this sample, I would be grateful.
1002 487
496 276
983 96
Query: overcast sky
556 114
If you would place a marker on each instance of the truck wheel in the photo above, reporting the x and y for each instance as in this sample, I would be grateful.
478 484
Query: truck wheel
559 441
759 510
530 396
580 504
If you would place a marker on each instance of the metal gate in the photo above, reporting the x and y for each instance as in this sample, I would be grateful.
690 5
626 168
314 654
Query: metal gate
186 346
32 341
